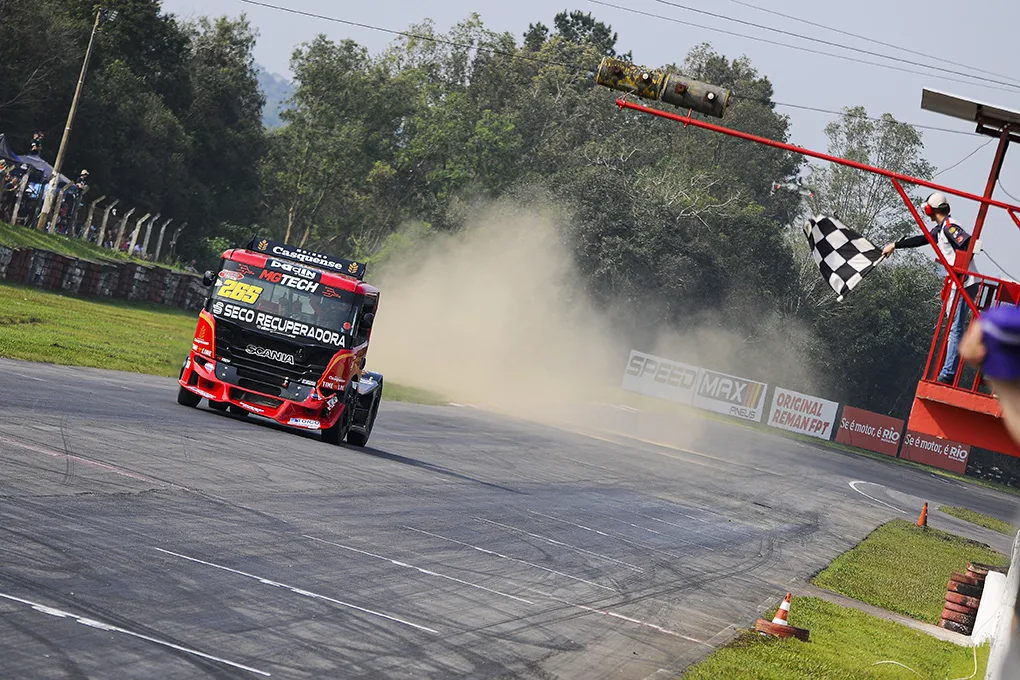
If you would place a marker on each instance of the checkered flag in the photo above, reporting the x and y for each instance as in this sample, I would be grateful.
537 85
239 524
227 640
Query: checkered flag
844 256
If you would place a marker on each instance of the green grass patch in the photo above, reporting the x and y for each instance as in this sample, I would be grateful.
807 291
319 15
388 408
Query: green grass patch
845 643
904 568
414 395
39 325
17 236
986 521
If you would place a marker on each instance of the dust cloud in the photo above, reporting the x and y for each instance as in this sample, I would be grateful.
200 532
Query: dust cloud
495 315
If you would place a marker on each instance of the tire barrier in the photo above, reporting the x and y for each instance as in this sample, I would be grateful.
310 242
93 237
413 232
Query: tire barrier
963 598
108 278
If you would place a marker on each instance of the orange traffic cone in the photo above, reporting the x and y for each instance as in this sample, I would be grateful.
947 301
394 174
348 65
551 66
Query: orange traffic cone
922 521
780 626
783 613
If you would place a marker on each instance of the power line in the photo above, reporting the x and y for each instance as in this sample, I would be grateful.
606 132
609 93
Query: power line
864 37
999 182
964 159
799 48
839 114
850 48
417 36
576 67
998 266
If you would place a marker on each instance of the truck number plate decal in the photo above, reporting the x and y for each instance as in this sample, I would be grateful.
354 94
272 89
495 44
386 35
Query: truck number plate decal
242 292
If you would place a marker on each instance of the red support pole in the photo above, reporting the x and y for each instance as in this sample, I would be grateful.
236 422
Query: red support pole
689 120
993 176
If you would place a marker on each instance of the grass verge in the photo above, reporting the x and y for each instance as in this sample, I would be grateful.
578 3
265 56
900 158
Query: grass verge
16 236
986 521
845 643
904 568
38 325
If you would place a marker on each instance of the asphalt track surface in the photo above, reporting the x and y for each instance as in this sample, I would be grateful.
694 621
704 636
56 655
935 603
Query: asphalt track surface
142 539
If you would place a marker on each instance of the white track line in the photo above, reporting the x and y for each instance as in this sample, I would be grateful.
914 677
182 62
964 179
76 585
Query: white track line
872 497
99 625
422 570
615 537
553 541
501 556
300 591
622 617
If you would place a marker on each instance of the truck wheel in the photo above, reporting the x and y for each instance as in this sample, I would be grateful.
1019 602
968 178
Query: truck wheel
217 405
357 438
336 434
187 397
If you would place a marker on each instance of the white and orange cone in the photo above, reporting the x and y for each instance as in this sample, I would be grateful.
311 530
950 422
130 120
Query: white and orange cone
783 614
780 625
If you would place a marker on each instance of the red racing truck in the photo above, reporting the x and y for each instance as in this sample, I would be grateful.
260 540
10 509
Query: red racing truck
283 334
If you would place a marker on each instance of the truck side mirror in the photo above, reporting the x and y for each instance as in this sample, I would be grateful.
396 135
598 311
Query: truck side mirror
367 320
208 278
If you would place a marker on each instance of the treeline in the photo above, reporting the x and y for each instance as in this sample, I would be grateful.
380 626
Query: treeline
671 227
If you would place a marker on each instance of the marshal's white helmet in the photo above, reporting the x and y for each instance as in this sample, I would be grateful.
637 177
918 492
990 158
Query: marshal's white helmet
935 202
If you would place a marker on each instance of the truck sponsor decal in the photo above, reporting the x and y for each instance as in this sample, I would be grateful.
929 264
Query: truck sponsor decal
289 281
242 292
355 269
271 354
305 422
279 325
295 269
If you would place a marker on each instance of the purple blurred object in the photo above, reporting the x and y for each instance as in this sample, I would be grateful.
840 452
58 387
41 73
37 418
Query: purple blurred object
1001 336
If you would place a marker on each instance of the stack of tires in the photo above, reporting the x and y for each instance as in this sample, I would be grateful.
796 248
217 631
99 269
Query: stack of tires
963 596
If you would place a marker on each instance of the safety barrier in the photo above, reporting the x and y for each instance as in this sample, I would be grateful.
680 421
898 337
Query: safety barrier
109 279
744 398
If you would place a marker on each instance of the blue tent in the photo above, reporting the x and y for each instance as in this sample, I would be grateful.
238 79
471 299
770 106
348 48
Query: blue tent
6 151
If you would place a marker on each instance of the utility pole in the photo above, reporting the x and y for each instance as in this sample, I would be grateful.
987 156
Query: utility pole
51 188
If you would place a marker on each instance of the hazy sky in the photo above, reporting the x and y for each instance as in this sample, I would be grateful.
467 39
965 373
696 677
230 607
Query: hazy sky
981 34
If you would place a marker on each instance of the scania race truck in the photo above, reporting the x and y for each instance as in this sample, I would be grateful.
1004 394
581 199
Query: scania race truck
284 334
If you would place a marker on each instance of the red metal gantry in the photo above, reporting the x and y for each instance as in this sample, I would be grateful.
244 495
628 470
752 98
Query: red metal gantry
963 412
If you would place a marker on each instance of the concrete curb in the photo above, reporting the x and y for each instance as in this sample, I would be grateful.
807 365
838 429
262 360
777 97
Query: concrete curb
1004 659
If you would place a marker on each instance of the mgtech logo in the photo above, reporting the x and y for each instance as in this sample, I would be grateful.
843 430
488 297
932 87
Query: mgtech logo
729 389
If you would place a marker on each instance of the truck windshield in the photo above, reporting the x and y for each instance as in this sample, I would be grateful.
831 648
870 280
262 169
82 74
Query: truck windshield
265 297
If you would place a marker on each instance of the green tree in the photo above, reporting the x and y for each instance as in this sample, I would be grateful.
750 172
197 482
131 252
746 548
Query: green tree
865 201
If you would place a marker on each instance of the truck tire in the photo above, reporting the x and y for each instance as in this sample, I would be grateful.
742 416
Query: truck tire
187 397
356 438
336 434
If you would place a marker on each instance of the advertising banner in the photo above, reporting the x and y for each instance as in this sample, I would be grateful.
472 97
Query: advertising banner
940 453
802 413
730 395
662 378
871 431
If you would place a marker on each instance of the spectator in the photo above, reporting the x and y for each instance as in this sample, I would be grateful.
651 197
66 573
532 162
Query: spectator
83 180
37 138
